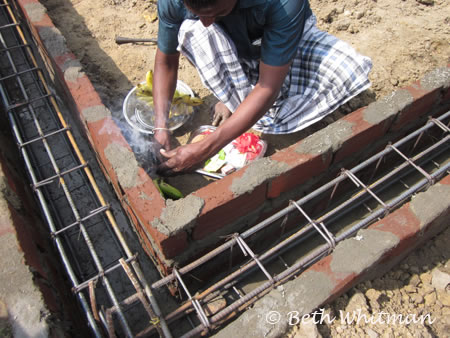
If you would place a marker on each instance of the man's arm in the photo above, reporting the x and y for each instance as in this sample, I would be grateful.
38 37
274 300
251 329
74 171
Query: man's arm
257 103
164 84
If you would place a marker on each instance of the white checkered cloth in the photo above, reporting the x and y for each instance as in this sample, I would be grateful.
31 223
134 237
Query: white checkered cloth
325 73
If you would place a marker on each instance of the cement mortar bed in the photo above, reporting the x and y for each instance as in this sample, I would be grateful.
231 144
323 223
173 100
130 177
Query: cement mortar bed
174 232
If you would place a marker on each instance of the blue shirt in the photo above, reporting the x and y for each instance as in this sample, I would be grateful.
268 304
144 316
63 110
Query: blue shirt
278 23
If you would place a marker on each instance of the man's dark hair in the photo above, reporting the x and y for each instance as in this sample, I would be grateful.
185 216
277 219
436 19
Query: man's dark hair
199 4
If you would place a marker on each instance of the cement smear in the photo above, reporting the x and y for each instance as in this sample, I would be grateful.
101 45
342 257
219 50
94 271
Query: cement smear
179 215
54 41
71 63
96 113
326 140
124 164
437 78
295 298
255 174
362 251
73 73
431 204
35 11
388 107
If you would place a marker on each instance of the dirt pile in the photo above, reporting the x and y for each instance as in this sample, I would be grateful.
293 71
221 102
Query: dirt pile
405 39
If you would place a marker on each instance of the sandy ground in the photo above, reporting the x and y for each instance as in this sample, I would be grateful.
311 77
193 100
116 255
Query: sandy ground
405 39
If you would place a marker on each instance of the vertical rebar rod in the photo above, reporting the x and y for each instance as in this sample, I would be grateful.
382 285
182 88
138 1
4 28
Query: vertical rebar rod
97 192
69 198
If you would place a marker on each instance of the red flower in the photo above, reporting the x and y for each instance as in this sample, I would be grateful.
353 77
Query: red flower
248 143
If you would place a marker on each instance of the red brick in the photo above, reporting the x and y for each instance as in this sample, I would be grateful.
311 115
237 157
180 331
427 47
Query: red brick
60 60
445 180
342 280
45 18
5 225
50 299
363 135
26 2
83 93
446 95
424 101
44 22
401 222
170 246
302 168
145 198
143 209
102 134
222 207
143 237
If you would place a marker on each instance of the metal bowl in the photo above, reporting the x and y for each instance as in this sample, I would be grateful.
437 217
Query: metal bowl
140 115
200 130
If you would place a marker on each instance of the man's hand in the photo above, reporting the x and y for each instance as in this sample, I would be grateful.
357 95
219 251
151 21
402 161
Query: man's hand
180 159
164 83
163 138
220 114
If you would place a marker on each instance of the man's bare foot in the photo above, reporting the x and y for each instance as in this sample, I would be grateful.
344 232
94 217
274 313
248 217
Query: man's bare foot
221 113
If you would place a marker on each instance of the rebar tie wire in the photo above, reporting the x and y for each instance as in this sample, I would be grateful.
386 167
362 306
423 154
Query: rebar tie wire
79 221
329 237
195 303
44 136
58 176
429 178
359 183
27 102
155 320
440 124
282 213
322 230
247 251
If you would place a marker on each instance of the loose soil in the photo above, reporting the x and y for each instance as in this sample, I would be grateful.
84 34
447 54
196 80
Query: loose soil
404 39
